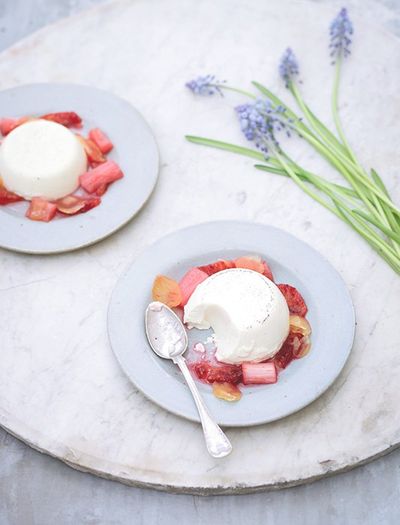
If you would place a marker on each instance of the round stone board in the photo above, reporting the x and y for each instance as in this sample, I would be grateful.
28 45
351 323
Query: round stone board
61 389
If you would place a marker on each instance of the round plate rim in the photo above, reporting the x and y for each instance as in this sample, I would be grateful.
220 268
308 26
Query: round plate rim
9 246
194 417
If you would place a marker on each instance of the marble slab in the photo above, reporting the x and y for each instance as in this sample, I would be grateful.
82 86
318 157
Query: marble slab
61 390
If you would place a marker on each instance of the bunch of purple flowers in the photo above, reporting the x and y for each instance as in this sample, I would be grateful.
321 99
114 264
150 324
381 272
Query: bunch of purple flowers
363 201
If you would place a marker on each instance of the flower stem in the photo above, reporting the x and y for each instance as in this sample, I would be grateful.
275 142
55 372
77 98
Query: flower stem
237 90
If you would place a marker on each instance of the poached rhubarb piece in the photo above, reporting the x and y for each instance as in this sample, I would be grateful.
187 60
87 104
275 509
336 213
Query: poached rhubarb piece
68 119
299 325
167 291
41 210
8 124
217 373
104 174
101 140
295 347
259 373
189 281
217 266
250 263
73 204
254 262
294 299
226 391
93 152
7 197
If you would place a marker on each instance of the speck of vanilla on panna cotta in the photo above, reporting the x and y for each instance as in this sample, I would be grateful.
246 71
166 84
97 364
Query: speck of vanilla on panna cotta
41 159
247 312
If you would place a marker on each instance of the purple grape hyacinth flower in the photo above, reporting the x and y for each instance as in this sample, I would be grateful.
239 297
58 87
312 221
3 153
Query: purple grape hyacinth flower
288 67
205 86
260 121
340 32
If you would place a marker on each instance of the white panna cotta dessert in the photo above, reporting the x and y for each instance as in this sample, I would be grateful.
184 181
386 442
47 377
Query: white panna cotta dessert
247 312
41 159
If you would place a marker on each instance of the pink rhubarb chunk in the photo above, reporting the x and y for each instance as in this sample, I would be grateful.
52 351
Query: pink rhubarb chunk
189 281
104 173
259 373
100 138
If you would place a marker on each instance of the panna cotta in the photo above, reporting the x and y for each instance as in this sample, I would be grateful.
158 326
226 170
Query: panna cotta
41 159
247 312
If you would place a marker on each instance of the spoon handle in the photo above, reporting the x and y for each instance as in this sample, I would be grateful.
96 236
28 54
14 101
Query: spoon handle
218 445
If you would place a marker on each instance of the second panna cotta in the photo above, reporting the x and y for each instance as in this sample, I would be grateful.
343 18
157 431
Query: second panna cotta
41 159
247 312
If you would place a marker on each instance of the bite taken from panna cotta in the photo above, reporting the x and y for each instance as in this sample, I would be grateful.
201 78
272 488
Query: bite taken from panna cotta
247 312
41 159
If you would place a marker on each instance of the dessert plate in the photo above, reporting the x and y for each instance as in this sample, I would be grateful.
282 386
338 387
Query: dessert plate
330 313
135 150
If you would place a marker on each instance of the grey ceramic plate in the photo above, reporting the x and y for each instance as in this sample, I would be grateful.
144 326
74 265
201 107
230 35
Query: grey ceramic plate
292 261
135 150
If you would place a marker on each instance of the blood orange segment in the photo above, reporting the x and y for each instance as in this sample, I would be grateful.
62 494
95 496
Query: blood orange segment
303 349
167 291
41 210
100 138
294 299
288 351
217 373
72 204
93 152
227 391
259 373
103 174
299 325
189 282
66 118
217 266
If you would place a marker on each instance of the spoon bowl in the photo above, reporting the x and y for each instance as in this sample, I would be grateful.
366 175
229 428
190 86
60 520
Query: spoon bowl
168 339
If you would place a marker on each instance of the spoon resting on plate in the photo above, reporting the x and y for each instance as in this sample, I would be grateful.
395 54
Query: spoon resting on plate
168 339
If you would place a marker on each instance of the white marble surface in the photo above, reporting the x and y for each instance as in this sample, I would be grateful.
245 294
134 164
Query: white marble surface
60 388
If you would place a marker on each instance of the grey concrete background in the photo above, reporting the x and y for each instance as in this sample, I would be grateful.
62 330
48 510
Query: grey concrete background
36 489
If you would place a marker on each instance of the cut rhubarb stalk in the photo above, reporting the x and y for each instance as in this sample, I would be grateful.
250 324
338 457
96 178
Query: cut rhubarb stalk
41 210
100 138
72 204
299 325
68 119
106 173
250 263
217 266
101 190
267 272
166 291
259 373
189 282
8 124
8 197
254 262
93 153
226 391
294 300
217 373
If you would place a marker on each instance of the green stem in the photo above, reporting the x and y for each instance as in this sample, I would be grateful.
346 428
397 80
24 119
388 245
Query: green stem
237 90
226 146
335 113
315 123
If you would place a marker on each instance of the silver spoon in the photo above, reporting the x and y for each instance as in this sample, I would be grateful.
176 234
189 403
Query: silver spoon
167 337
